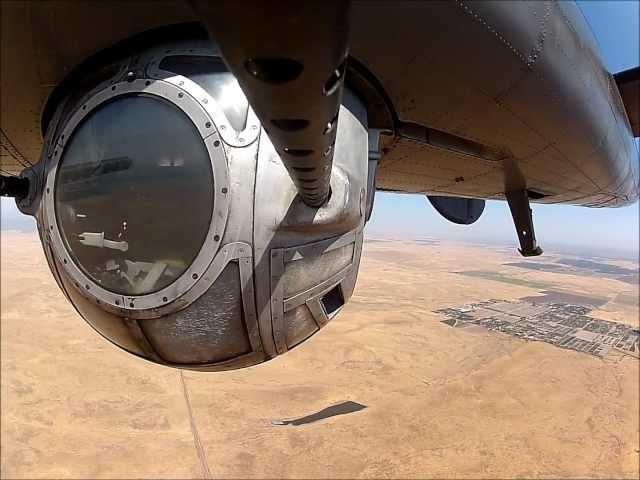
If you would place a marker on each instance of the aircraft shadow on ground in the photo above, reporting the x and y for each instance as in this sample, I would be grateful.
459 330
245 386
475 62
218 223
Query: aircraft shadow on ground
332 411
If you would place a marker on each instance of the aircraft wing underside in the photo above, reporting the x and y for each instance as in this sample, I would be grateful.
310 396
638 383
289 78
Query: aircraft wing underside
472 100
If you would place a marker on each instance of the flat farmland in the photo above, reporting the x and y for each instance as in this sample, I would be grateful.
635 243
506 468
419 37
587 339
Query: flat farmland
386 389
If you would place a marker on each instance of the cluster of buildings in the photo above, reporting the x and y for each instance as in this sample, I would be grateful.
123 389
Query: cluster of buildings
561 324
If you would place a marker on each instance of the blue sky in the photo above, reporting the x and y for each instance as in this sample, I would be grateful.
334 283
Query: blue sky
616 26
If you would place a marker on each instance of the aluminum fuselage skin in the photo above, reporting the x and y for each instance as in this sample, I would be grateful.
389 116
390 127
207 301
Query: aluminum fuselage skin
524 80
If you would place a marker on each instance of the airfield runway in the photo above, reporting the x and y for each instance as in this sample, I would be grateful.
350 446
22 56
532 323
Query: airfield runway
385 390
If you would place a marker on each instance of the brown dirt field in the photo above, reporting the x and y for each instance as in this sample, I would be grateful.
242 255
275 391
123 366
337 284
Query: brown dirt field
440 402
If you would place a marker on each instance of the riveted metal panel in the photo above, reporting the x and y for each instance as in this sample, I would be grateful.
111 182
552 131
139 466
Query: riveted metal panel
211 330
299 325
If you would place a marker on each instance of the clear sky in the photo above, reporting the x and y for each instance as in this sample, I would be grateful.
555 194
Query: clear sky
616 26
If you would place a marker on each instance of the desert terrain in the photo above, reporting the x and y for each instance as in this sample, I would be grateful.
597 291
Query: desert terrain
386 389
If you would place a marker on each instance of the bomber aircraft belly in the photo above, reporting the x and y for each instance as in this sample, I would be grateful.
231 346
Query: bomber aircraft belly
522 79
201 173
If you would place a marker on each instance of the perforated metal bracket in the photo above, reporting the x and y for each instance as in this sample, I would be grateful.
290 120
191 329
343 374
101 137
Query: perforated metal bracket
522 218
292 75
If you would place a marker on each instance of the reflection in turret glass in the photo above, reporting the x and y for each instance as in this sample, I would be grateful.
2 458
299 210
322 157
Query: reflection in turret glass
134 194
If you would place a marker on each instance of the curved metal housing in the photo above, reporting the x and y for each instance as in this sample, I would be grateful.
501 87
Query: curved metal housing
463 211
271 272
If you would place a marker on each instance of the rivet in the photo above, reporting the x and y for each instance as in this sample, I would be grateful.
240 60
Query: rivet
180 95
147 83
87 286
224 190
216 143
48 191
207 125
64 260
117 302
194 276
164 299
113 88
131 305
216 238
223 127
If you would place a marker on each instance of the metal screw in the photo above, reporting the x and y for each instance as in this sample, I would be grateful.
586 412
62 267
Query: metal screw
180 95
216 143
216 238
224 190
207 125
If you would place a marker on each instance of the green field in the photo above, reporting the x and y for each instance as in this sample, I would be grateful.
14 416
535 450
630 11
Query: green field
499 277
